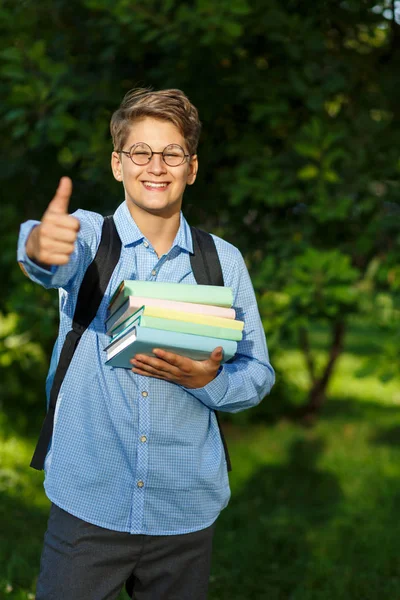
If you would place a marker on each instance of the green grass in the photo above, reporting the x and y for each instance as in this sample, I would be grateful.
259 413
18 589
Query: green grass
313 514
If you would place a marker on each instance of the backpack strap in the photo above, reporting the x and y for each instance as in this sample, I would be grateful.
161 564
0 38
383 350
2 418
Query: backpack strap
90 295
205 260
207 270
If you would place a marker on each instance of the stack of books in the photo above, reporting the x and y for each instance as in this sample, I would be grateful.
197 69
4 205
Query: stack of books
189 320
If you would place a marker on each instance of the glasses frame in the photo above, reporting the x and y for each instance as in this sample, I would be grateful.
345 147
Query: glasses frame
129 153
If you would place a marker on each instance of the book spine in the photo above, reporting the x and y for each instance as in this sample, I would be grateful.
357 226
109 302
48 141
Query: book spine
129 325
116 294
117 314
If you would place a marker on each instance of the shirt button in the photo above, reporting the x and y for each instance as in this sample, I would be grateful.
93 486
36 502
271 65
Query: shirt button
145 394
143 438
154 272
146 244
140 484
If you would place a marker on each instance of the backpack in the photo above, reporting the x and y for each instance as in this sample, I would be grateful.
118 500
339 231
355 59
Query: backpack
206 269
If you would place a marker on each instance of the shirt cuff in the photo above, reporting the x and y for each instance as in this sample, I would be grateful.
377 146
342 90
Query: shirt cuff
28 266
212 394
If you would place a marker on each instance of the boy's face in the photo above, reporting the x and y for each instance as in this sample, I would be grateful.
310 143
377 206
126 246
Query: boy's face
166 199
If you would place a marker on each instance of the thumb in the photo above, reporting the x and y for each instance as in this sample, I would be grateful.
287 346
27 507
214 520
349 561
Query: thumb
59 204
217 354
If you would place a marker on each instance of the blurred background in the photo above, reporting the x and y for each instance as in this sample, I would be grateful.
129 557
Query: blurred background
299 168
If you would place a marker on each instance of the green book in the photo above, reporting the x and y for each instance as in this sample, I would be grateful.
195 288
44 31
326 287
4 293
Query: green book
223 333
201 294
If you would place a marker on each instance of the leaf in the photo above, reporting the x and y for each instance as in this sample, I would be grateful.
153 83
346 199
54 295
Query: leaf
308 172
308 150
330 176
11 54
13 71
14 115
233 29
66 157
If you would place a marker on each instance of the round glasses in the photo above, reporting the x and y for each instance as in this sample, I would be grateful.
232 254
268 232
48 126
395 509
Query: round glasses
141 154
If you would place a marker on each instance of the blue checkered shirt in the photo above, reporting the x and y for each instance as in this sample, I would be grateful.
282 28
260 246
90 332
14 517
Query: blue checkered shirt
129 452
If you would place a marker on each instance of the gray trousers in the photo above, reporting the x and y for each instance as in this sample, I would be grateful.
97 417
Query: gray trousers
81 561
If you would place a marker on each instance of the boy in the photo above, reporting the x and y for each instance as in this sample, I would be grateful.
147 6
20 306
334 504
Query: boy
136 470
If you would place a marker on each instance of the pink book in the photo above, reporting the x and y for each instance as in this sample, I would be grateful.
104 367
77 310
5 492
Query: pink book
133 303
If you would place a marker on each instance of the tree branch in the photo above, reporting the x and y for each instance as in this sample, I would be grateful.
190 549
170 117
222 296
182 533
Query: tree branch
338 332
317 392
304 342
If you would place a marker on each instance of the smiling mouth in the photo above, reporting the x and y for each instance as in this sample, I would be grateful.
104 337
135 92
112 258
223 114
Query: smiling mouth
151 185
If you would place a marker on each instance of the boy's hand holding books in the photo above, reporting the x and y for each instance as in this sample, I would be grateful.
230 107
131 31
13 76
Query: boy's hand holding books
178 369
52 242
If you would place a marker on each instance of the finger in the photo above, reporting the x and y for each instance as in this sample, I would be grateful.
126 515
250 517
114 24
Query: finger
148 374
59 220
57 259
59 204
53 232
54 256
56 247
217 355
154 365
148 369
181 362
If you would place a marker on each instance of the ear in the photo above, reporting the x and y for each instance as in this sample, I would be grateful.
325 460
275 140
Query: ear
193 168
116 166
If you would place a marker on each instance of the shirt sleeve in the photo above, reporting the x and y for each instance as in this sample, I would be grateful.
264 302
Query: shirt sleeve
64 276
248 377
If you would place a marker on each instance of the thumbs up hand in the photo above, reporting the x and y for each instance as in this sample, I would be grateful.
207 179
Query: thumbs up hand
52 242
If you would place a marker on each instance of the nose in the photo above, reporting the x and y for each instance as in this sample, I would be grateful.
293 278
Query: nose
157 165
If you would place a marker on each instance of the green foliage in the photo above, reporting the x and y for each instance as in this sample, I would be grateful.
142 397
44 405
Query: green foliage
22 372
386 309
321 284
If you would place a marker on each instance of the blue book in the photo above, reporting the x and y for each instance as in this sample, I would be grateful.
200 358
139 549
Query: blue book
142 340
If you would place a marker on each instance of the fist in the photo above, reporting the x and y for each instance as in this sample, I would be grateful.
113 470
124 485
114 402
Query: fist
52 242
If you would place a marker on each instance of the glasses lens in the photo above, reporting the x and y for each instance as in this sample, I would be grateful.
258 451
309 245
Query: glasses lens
173 155
141 154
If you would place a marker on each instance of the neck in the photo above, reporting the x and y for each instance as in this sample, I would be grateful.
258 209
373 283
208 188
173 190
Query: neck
159 229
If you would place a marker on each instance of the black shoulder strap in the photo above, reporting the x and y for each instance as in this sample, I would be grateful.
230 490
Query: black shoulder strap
90 295
204 260
98 274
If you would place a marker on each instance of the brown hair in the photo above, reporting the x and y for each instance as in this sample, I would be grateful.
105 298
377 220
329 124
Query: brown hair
165 105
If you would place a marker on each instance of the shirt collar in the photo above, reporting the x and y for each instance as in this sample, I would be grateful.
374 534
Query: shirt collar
130 233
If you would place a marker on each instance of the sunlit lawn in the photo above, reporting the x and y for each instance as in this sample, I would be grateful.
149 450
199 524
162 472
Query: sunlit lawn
313 514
